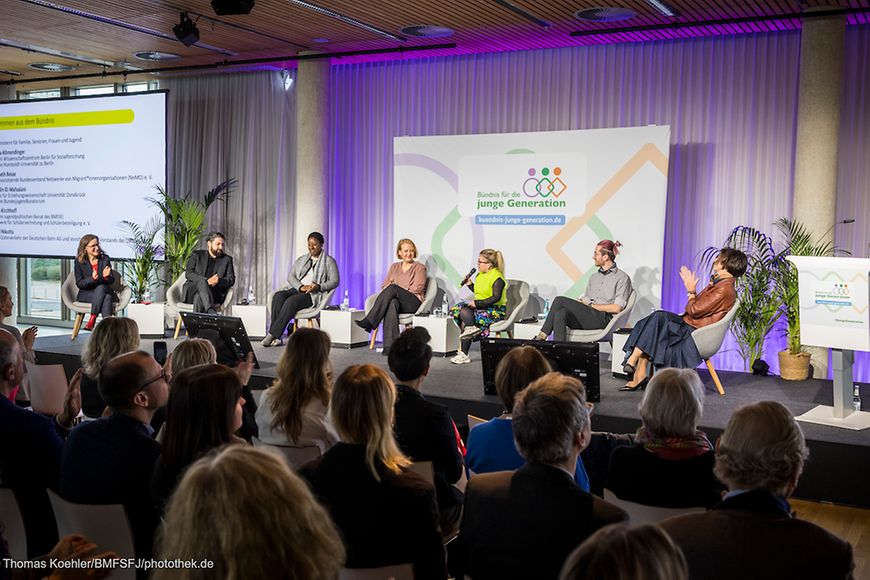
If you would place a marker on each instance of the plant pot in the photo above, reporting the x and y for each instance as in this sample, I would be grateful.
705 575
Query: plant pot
794 367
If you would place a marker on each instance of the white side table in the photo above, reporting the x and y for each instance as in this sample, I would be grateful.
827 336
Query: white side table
527 330
444 333
148 317
343 333
253 317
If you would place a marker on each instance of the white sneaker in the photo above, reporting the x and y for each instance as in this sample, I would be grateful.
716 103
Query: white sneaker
269 340
470 332
461 359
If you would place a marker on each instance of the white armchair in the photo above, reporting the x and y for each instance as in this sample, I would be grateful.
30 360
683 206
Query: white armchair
175 301
69 292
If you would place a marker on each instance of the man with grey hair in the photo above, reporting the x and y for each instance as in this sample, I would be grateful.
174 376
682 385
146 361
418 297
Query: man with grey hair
752 533
523 524
31 449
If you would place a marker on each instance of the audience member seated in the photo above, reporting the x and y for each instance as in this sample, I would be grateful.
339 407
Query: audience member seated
753 533
425 430
112 336
204 409
25 340
617 552
31 447
387 515
243 509
110 460
292 411
671 461
491 445
226 356
523 524
190 353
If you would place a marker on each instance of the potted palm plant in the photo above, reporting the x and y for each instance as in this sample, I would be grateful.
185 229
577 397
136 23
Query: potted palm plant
794 362
185 221
143 267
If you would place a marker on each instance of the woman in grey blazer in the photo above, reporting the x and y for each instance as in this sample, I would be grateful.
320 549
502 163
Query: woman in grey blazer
312 275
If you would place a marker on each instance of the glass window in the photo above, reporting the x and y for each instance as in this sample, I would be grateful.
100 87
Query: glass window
42 279
98 90
45 94
136 87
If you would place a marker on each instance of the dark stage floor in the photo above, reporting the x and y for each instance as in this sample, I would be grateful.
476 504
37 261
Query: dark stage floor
833 473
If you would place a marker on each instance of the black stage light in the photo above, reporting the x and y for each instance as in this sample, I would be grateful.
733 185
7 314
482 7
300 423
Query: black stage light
225 7
186 31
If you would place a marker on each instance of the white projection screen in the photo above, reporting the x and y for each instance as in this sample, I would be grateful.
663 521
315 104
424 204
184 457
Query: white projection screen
543 199
70 167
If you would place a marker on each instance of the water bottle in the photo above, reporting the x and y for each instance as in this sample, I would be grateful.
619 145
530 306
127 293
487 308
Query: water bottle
345 302
251 298
445 306
856 398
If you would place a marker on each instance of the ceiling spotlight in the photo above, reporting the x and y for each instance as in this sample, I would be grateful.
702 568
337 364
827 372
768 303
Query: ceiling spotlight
186 31
51 66
663 9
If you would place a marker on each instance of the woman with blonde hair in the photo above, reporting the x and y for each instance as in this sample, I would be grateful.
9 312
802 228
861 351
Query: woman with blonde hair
401 293
619 552
190 353
387 514
474 317
245 511
292 411
113 336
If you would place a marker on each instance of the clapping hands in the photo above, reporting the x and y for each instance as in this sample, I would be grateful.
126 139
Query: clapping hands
690 280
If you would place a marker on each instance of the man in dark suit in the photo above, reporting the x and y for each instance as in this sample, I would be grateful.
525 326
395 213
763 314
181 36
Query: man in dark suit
524 524
425 430
110 460
753 533
31 448
210 275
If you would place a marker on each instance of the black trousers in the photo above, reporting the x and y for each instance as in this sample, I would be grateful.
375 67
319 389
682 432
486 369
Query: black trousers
569 313
285 305
392 301
100 299
202 296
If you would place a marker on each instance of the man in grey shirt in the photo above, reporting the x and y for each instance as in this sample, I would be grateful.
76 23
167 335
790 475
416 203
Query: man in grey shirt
606 294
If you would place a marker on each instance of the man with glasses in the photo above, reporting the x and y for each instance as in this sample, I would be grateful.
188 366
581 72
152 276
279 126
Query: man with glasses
524 523
210 275
110 460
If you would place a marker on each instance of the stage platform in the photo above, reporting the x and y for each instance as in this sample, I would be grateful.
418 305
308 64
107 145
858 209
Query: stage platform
838 469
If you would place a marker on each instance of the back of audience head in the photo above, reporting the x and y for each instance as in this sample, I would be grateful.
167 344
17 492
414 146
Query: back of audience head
762 447
410 355
133 381
673 403
11 359
516 370
246 511
205 408
112 336
617 552
551 416
303 374
192 352
362 413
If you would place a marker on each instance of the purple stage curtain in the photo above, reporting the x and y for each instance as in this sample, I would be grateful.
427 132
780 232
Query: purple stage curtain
731 103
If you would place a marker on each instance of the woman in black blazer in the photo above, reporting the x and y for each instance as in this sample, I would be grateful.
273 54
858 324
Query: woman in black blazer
94 278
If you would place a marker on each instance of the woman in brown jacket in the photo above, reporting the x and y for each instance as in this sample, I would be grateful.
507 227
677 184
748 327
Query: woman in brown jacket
665 338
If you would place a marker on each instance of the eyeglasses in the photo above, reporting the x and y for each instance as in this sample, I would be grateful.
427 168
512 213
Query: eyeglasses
162 375
93 245
482 262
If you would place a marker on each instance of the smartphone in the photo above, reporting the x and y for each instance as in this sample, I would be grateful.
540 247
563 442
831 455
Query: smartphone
160 352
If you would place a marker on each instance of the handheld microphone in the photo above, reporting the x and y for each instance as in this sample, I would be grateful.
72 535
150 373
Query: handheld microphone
467 276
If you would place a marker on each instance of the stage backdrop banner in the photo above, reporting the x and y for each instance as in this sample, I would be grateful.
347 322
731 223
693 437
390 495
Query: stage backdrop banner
543 199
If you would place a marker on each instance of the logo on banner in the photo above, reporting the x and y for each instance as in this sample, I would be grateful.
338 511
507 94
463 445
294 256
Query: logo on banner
549 183
832 294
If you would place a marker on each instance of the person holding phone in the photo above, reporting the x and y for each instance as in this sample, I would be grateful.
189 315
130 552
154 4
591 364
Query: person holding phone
94 279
